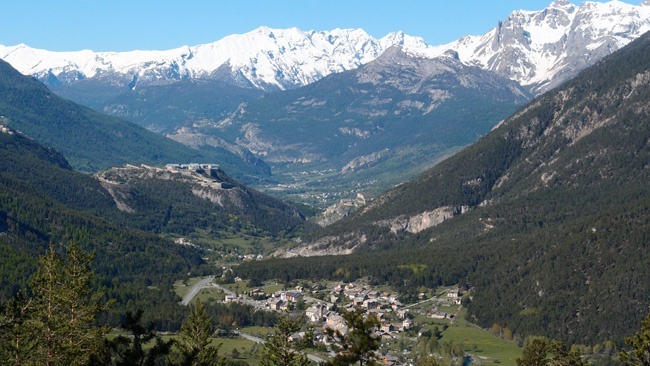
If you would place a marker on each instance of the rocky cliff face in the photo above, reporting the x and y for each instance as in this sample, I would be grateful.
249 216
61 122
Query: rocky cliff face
340 210
542 49
420 222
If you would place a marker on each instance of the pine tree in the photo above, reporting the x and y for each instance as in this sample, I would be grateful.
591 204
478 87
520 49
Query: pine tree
195 338
17 341
640 343
535 353
281 350
136 349
542 352
64 308
359 343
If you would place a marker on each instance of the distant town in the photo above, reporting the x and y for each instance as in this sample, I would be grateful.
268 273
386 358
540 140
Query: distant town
322 305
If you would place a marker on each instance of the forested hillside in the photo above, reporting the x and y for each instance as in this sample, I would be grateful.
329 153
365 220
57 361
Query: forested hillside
134 267
92 141
551 215
43 201
183 202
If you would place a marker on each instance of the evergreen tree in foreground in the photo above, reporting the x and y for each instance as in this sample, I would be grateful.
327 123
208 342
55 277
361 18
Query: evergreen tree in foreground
55 326
136 348
17 341
194 342
281 350
65 308
640 343
359 343
542 352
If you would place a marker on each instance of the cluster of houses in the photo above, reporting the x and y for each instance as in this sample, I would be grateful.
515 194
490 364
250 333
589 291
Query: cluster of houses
393 316
385 306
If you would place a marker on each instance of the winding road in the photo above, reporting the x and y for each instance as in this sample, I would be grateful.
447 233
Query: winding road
195 290
260 340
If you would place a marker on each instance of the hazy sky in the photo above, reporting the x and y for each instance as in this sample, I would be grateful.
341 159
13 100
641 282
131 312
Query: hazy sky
123 25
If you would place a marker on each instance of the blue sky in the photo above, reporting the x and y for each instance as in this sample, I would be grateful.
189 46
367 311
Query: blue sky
123 25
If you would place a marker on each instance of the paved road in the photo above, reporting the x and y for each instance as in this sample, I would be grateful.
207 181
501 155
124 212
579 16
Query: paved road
250 337
260 340
225 290
195 290
421 302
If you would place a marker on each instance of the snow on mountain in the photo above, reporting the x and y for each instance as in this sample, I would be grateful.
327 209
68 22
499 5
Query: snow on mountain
265 58
539 49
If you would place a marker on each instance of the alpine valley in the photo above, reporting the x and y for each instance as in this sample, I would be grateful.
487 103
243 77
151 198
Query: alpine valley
210 96
546 217
512 167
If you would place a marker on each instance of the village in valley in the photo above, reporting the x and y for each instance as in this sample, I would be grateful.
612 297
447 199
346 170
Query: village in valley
321 305
324 311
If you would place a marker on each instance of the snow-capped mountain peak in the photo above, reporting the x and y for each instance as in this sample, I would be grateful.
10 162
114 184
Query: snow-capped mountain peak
539 49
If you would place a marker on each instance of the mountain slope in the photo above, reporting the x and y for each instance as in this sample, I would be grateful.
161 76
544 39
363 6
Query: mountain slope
161 108
388 119
546 217
121 217
90 140
42 202
186 200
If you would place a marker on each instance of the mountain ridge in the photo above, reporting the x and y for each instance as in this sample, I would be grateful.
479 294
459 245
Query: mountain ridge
539 49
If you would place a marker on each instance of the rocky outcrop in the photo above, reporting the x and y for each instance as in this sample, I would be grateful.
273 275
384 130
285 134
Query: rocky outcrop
339 210
330 245
116 182
417 223
363 161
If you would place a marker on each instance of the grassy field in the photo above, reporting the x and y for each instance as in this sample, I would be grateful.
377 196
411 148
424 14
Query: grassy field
248 350
244 243
243 286
485 346
273 288
208 294
257 331
481 343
